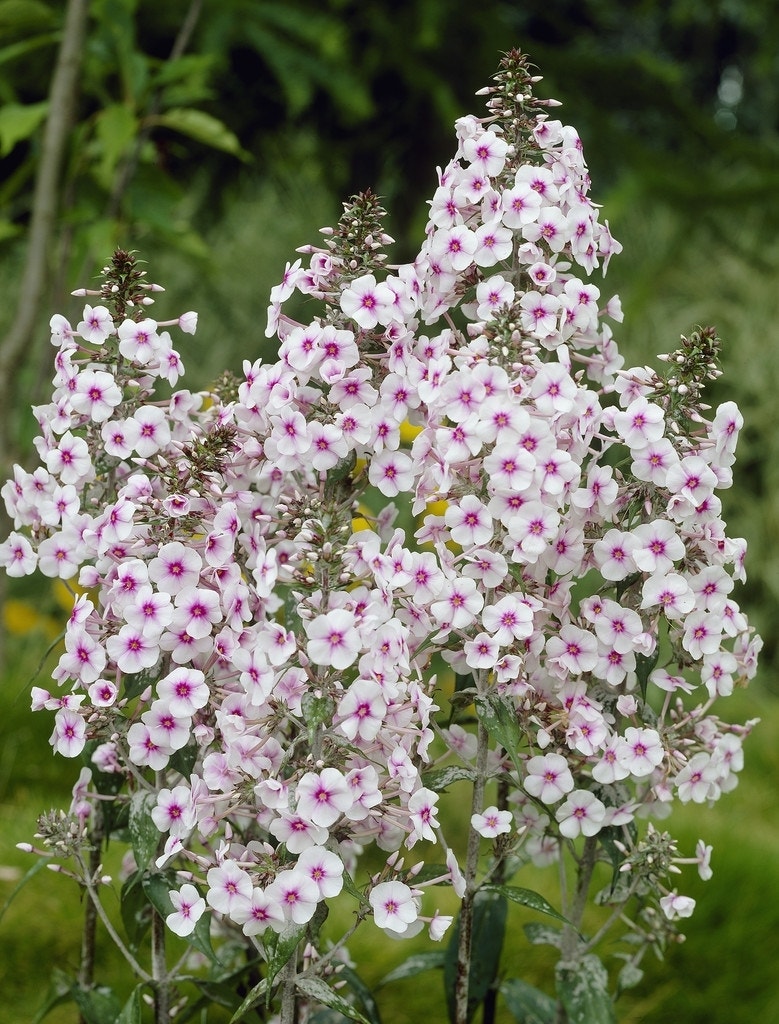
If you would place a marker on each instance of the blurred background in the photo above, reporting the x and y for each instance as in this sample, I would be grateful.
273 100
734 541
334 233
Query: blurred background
215 137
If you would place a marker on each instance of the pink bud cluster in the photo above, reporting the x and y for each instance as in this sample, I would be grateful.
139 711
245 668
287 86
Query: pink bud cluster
245 651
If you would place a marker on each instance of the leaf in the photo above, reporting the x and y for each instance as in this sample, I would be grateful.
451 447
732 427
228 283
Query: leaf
60 991
116 128
144 834
131 1011
363 993
416 964
203 128
440 778
489 927
284 947
582 988
499 717
644 667
29 874
18 122
542 934
527 1004
135 909
25 16
526 898
317 989
97 1005
253 997
25 46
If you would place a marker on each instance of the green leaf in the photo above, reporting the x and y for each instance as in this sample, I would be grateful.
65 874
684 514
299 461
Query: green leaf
26 46
526 898
97 1005
30 873
18 121
542 934
203 128
22 16
144 834
116 128
526 1004
135 909
582 988
644 667
253 997
283 949
351 888
59 991
499 717
363 993
489 927
416 964
317 989
440 778
131 1011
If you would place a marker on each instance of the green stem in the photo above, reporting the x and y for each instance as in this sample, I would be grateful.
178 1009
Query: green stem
159 968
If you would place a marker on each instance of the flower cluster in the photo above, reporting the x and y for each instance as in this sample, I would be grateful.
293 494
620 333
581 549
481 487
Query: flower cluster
254 641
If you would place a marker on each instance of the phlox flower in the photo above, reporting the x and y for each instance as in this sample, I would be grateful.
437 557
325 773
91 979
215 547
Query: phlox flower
511 618
296 832
573 650
640 751
613 555
482 651
581 814
539 314
460 603
150 611
361 710
229 886
391 472
70 460
138 340
17 556
671 592
260 912
469 522
548 777
96 325
103 693
422 808
184 690
322 797
394 906
675 906
492 822
333 639
175 568
166 729
188 907
132 650
366 302
70 733
153 430
324 868
174 811
296 893
196 610
641 424
96 394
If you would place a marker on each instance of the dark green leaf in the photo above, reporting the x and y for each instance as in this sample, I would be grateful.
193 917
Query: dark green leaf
60 991
363 993
489 927
144 834
131 1011
416 964
499 717
526 898
203 128
284 946
582 988
528 1005
18 122
97 1005
136 910
319 990
183 761
253 997
644 667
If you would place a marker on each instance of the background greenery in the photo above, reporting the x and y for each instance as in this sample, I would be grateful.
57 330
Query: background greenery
216 151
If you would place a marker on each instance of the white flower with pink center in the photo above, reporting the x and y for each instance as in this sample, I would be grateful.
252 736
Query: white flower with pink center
322 797
640 751
394 906
366 302
96 326
188 907
70 733
296 893
492 822
582 814
138 340
175 568
228 887
333 639
324 868
548 777
641 424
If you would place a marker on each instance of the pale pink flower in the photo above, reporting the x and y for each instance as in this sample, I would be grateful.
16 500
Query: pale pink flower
492 822
581 814
394 906
333 639
548 777
188 907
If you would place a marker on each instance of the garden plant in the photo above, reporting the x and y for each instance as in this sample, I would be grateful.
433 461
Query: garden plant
446 550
